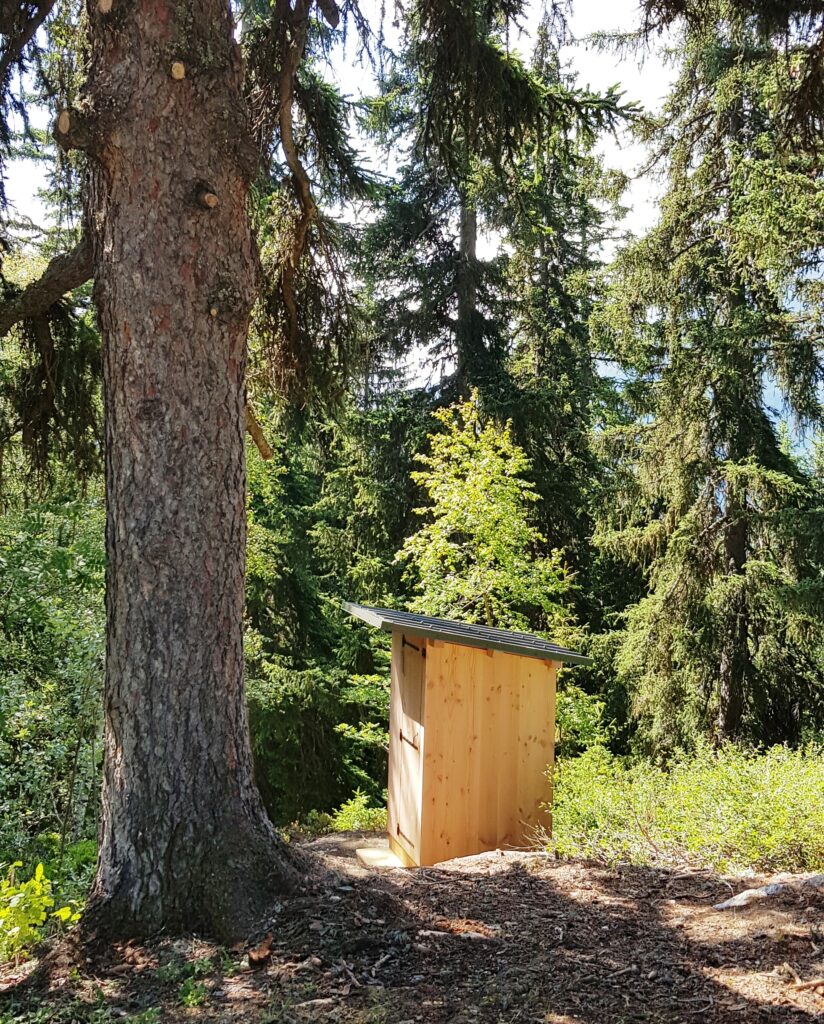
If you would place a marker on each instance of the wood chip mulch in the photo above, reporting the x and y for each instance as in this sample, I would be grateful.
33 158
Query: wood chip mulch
510 938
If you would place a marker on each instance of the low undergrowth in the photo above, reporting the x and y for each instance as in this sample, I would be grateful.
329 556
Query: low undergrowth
358 814
728 810
27 908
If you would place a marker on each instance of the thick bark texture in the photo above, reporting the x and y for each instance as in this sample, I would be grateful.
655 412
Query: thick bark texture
185 843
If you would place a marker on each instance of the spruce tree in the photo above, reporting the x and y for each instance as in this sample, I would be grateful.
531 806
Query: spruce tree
467 116
555 208
711 310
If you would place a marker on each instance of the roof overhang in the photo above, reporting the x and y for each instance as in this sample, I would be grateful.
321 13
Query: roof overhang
467 634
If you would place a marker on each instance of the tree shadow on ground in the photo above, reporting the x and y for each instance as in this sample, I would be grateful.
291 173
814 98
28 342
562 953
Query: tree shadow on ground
543 940
494 939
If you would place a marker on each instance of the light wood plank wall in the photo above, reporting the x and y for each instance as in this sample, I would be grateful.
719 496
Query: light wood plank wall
478 778
406 737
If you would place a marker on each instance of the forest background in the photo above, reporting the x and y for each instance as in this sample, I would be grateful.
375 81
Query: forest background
500 399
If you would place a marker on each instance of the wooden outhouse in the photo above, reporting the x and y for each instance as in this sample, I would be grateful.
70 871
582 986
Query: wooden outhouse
471 735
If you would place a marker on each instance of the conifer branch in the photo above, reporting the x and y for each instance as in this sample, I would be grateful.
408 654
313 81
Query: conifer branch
64 273
68 271
16 42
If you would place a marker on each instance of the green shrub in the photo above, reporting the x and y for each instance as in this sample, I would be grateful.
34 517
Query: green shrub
317 737
727 809
312 825
193 993
51 674
579 719
24 909
356 815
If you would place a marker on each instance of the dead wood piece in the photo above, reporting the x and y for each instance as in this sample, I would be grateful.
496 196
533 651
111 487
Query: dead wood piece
788 967
207 198
632 969
262 952
799 986
708 1005
256 433
381 962
748 896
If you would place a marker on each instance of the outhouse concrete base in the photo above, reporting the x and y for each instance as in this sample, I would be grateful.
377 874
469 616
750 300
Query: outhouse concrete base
377 857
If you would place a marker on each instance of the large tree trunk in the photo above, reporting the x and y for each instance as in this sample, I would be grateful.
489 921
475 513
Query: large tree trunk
467 342
185 843
735 657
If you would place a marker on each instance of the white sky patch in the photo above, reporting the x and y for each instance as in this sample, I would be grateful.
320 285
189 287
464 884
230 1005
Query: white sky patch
645 79
26 178
646 84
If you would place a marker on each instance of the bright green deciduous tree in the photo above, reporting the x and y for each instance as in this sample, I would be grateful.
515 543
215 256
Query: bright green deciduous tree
476 557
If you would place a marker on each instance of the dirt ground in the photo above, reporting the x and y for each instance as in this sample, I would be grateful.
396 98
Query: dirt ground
510 938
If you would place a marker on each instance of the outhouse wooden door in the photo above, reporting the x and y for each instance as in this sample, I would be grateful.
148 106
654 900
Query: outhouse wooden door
406 738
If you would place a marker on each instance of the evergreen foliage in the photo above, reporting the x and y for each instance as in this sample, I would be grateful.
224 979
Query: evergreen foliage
715 309
51 661
467 119
470 413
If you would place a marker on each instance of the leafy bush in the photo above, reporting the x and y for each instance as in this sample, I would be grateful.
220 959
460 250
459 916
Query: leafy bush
317 737
193 993
579 718
24 909
70 866
727 809
357 815
51 672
